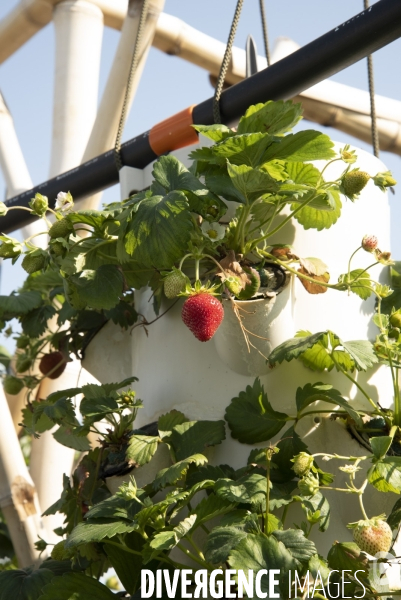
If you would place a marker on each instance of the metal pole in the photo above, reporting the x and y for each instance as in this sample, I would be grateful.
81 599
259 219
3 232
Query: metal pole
346 44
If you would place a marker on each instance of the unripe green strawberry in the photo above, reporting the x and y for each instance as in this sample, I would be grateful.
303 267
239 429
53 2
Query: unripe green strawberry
61 228
372 535
12 385
394 333
57 249
251 288
354 182
369 243
309 485
302 463
33 262
23 363
174 283
395 320
10 248
22 342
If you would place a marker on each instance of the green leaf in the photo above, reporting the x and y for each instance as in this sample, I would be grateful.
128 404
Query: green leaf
289 446
302 173
101 288
246 149
159 231
191 437
166 540
220 542
23 584
295 541
34 323
294 347
315 218
98 407
127 565
249 489
251 183
211 507
385 474
326 393
76 586
251 417
95 391
19 304
172 474
271 117
358 282
172 175
259 552
221 183
320 503
302 146
167 422
67 437
141 449
380 445
362 353
217 132
97 531
394 519
347 556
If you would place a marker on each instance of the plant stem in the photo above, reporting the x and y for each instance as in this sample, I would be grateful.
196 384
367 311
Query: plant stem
268 459
194 558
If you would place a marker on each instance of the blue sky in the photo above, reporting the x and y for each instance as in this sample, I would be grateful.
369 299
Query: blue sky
169 84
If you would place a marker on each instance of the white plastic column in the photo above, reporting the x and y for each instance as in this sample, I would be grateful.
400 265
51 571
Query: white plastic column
79 29
18 498
105 127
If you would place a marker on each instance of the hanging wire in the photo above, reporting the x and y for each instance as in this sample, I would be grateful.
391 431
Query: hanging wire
225 63
264 27
375 134
133 67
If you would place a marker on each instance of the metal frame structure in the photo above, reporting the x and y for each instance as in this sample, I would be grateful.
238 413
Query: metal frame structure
341 47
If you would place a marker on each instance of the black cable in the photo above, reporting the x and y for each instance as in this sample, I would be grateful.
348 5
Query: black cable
375 133
264 27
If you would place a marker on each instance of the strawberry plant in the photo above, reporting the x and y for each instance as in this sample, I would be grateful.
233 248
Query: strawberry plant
205 236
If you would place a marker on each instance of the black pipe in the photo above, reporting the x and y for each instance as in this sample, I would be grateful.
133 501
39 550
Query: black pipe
363 34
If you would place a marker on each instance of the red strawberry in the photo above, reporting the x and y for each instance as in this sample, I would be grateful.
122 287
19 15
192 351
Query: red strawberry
202 313
369 243
52 365
372 535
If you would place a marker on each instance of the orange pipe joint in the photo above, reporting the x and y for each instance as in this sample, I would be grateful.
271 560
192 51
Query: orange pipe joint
173 133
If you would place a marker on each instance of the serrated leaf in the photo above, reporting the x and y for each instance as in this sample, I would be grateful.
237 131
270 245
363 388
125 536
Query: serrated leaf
141 449
249 489
210 507
295 541
172 175
362 353
302 146
159 231
98 407
24 584
294 347
347 556
385 474
220 183
168 421
34 323
95 391
166 540
251 417
19 304
316 218
259 552
302 173
220 542
172 474
251 183
87 532
319 503
76 586
216 132
191 437
101 288
325 393
359 282
126 564
271 117
247 149
65 435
